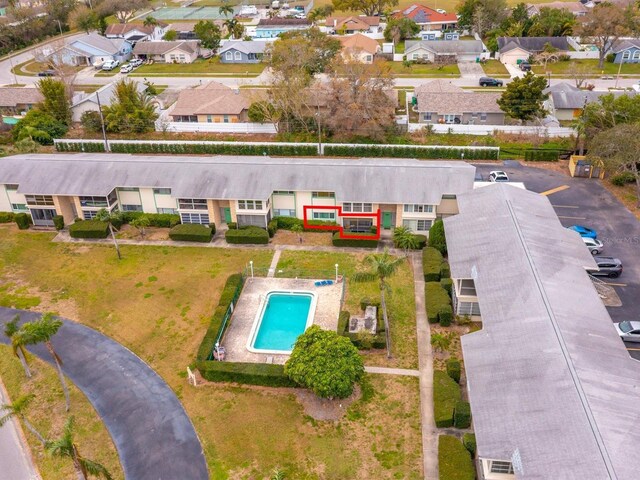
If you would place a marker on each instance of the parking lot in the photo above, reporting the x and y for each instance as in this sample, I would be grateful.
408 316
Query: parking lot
586 202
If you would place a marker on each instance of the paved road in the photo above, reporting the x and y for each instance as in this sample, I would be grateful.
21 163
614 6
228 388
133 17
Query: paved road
151 431
587 202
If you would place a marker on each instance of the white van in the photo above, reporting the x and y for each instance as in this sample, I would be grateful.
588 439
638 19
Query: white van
248 10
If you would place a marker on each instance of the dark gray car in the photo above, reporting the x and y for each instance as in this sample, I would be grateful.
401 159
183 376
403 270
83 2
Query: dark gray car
608 267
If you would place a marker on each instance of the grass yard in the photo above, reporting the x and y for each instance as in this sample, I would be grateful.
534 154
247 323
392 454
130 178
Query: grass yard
48 416
494 67
157 301
428 70
201 66
565 68
400 302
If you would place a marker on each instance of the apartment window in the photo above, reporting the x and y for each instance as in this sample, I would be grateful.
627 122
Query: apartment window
357 207
360 225
626 55
323 195
94 202
483 117
11 186
427 117
283 212
129 189
19 206
636 55
467 287
417 225
131 208
171 211
229 55
283 192
209 119
238 55
89 214
501 467
162 191
185 118
225 118
250 204
41 200
447 196
468 308
324 216
201 218
192 204
418 208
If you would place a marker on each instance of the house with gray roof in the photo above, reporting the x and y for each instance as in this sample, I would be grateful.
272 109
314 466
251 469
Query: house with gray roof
18 100
566 102
240 51
627 51
84 102
513 50
180 51
550 383
445 51
93 48
247 190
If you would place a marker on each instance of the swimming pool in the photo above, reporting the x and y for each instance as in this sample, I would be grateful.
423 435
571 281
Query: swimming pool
281 318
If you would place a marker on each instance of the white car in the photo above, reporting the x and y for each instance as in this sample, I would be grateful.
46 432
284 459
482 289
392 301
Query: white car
628 331
439 10
126 68
110 65
636 87
498 176
136 62
595 246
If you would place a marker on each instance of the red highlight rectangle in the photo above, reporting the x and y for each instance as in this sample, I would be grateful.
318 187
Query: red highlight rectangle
339 228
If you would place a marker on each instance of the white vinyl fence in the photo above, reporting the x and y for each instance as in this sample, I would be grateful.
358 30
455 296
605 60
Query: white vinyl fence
489 129
216 127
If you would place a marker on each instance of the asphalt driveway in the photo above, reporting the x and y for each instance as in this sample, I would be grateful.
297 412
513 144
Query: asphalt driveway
151 431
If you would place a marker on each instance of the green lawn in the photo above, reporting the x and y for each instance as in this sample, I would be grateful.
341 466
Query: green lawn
428 69
565 68
201 66
494 68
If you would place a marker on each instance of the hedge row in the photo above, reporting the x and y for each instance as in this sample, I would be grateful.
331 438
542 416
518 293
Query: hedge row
462 415
160 220
58 222
23 220
250 235
349 242
80 147
191 232
287 223
541 155
469 442
454 460
423 152
446 395
264 374
89 229
6 217
438 304
362 341
454 369
432 261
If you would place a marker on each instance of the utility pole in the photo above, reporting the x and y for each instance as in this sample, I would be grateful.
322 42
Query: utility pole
319 132
104 131
15 79
618 76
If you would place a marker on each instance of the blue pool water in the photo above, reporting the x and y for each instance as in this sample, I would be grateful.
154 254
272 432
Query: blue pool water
284 318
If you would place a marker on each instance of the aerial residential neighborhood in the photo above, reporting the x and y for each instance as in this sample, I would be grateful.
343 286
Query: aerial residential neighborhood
319 240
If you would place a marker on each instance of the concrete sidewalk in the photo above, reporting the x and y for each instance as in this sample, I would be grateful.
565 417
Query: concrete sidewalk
392 371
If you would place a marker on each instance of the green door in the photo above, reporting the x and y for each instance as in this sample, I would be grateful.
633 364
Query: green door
386 220
227 215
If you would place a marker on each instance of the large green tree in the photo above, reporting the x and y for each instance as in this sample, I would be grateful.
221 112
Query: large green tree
482 15
366 7
603 25
302 52
552 22
399 29
56 102
131 111
523 99
40 126
608 112
325 362
208 33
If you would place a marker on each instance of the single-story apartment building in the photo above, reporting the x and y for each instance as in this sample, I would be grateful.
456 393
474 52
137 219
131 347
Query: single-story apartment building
240 51
549 380
182 51
429 19
566 101
211 103
18 100
514 50
445 51
352 24
136 32
441 102
359 47
84 102
249 190
273 27
627 51
94 48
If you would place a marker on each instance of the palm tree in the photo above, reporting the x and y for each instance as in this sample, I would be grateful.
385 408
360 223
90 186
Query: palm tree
18 409
382 266
230 24
18 341
64 447
297 228
405 239
150 22
440 342
41 331
226 10
104 216
140 223
237 31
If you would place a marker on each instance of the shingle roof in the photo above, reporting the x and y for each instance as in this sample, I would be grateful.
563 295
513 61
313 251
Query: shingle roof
277 22
445 98
211 99
378 180
423 14
357 41
106 94
573 7
532 44
254 46
567 99
551 385
122 28
438 86
183 26
441 47
160 48
107 45
352 22
11 97
627 44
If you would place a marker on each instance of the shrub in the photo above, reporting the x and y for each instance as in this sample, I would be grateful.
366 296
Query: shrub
454 369
212 226
469 442
422 241
445 315
462 415
621 179
159 220
417 151
437 238
343 322
58 222
447 284
264 374
39 125
22 220
191 232
437 300
454 461
90 121
231 148
366 301
89 229
446 395
349 242
232 225
286 223
250 235
272 227
541 155
445 271
6 217
431 264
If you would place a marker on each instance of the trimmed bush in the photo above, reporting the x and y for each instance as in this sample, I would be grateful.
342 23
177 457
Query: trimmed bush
469 442
191 232
422 241
462 415
445 315
437 238
272 227
159 220
212 226
349 242
445 271
447 284
454 461
287 223
438 303
621 179
446 395
418 151
250 235
366 301
232 225
22 220
89 229
343 322
58 222
431 264
454 369
541 155
6 217
264 374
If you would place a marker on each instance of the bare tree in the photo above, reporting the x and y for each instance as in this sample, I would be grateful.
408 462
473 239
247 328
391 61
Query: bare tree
580 73
124 10
604 24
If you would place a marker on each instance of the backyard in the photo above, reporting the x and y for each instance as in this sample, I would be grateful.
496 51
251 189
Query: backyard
199 67
157 301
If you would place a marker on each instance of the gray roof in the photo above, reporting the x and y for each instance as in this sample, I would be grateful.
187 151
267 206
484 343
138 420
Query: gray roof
161 47
532 44
226 177
106 94
627 44
575 99
14 96
107 45
244 46
551 385
443 47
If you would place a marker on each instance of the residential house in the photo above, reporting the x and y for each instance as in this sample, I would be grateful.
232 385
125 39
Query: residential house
359 47
442 102
84 102
627 51
211 103
239 51
548 378
183 51
578 9
566 102
93 48
514 50
445 51
222 189
429 19
18 101
136 32
184 30
352 24
273 27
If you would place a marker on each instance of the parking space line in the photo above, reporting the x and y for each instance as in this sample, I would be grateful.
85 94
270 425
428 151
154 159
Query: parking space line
554 190
572 218
615 284
633 349
565 206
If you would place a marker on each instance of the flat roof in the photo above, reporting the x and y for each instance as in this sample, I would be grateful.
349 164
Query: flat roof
551 385
379 180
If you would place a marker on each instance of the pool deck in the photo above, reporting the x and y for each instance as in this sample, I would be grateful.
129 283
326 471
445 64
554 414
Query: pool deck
237 334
